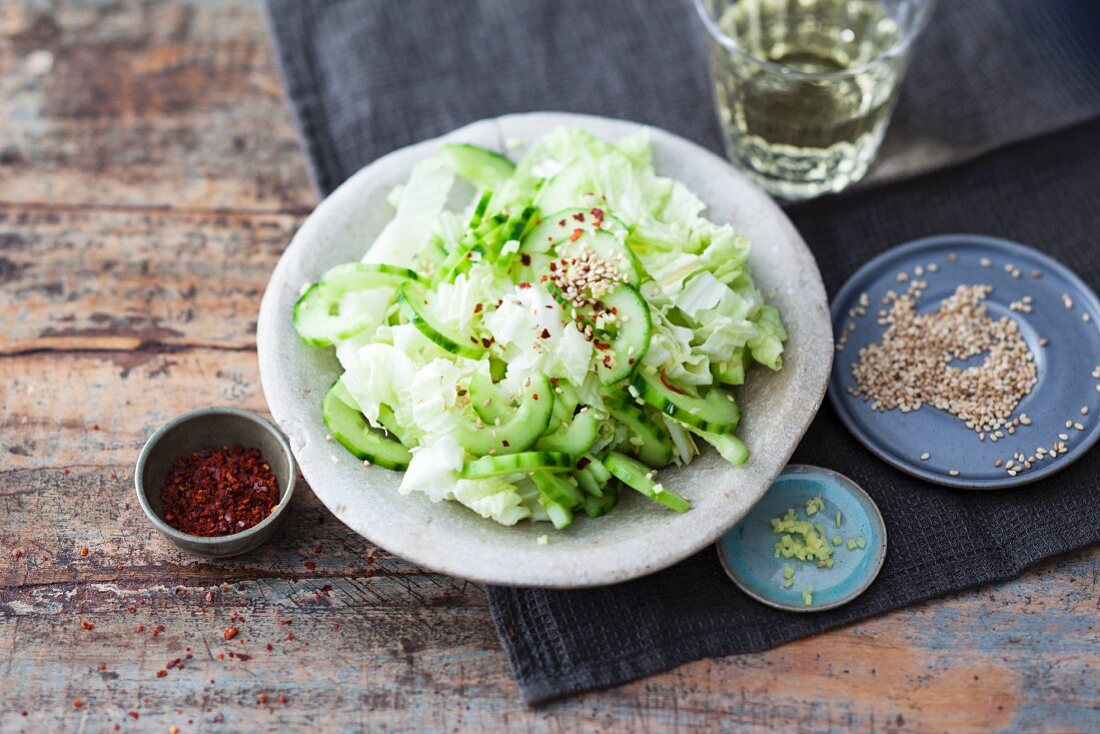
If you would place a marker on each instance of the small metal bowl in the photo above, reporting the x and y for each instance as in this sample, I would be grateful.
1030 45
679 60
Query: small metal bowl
203 428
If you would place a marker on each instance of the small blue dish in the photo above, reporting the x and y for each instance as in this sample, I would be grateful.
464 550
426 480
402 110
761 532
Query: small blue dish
1063 336
747 552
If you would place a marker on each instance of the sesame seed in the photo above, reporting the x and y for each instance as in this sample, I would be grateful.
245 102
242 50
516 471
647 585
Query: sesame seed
998 463
952 257
1063 436
933 267
925 456
1086 318
1036 273
953 472
1079 426
984 262
1084 410
1069 424
1012 472
1067 301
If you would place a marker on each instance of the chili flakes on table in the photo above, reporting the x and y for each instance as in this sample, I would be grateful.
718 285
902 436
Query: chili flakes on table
219 491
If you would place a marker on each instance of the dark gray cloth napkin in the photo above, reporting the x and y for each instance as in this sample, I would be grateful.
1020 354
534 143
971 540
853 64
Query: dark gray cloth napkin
368 77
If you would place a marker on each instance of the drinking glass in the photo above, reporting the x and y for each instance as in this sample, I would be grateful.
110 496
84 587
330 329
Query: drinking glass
805 88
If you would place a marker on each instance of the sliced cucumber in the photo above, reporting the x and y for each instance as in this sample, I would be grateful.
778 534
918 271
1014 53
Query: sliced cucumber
482 167
526 461
359 276
320 320
517 433
558 488
637 477
731 371
599 506
716 411
656 445
486 399
579 436
413 300
565 402
611 249
479 209
588 483
631 339
562 225
348 426
728 445
598 470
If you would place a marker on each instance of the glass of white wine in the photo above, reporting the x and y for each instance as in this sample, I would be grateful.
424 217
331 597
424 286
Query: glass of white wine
805 88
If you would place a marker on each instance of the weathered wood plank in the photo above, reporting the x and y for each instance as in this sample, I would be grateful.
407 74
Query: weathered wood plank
148 104
115 280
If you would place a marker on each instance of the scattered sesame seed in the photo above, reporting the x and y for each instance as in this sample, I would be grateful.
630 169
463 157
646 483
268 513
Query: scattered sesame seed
1012 472
1036 273
1067 301
1084 410
925 456
984 262
933 267
952 257
1079 426
998 463
953 472
1063 436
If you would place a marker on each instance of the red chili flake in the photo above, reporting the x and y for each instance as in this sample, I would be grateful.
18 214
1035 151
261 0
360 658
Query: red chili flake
174 662
525 258
598 214
85 624
230 633
553 268
535 396
17 554
630 360
561 222
607 361
140 628
162 673
286 621
554 380
486 342
173 730
511 630
310 565
218 718
583 462
578 217
504 443
524 285
478 307
545 334
221 656
208 597
577 234
601 345
65 472
263 698
23 712
370 572
103 666
83 552
77 703
114 476
290 635
326 588
243 657
269 647
156 630
282 699
670 386
473 339
131 609
133 714
219 491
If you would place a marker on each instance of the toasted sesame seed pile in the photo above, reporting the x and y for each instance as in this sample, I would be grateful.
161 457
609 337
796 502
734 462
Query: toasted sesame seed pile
911 366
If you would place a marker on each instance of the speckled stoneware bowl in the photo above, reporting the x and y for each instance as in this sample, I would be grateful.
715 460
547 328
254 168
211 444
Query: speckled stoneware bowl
205 428
639 537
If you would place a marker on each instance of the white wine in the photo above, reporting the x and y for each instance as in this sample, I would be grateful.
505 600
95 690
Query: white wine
805 88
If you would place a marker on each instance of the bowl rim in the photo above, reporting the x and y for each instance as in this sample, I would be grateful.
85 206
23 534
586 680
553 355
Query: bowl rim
214 541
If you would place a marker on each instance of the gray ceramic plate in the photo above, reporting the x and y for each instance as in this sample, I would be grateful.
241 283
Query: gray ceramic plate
639 537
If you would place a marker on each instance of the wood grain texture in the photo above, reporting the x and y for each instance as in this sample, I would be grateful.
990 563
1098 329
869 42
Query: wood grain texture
136 235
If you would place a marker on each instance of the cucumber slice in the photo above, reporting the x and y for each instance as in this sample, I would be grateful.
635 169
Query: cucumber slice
579 436
358 276
631 339
610 248
599 506
598 470
731 371
558 489
561 225
486 400
656 447
413 300
517 433
319 319
637 477
565 401
527 461
348 426
716 411
479 210
728 445
588 483
482 167
556 498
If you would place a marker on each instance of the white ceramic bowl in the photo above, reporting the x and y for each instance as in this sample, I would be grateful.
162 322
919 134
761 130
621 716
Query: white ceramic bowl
639 537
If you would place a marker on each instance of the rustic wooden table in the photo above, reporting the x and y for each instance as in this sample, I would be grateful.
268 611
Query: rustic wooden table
149 179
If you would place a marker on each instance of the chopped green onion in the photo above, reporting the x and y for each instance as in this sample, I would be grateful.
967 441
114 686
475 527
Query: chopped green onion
838 518
837 540
788 571
808 597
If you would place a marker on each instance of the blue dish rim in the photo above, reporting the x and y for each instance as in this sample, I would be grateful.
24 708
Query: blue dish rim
836 398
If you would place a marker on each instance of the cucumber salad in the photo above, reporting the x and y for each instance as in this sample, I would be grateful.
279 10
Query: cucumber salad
530 339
